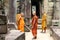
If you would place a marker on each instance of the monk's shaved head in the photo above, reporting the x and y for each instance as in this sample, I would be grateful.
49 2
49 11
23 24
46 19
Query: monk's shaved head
22 14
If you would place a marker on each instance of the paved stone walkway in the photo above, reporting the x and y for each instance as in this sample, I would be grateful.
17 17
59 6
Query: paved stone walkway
40 36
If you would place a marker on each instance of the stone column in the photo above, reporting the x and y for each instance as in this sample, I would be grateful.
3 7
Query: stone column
40 5
15 6
27 11
50 12
6 7
28 8
46 6
57 9
11 15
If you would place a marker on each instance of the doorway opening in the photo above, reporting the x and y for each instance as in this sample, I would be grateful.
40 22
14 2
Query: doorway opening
37 7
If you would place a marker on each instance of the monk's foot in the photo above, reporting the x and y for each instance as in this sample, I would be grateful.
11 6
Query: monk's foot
34 37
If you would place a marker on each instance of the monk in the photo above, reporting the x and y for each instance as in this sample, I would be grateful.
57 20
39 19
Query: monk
44 22
20 22
34 25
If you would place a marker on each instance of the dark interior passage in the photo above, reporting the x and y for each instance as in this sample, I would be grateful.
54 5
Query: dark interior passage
36 3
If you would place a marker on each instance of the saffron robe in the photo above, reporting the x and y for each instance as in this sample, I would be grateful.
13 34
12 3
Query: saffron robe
34 25
44 21
20 23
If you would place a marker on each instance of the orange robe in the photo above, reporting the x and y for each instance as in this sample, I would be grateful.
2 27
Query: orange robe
44 21
34 25
17 18
20 23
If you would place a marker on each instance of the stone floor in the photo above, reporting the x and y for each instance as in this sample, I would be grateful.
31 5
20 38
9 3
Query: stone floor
40 36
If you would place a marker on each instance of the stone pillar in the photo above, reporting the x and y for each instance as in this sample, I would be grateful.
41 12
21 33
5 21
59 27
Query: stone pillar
46 6
27 11
6 7
28 8
40 5
59 13
15 6
50 12
11 15
57 9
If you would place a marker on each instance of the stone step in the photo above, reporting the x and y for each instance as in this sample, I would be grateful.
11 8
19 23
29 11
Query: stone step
15 35
39 26
39 21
